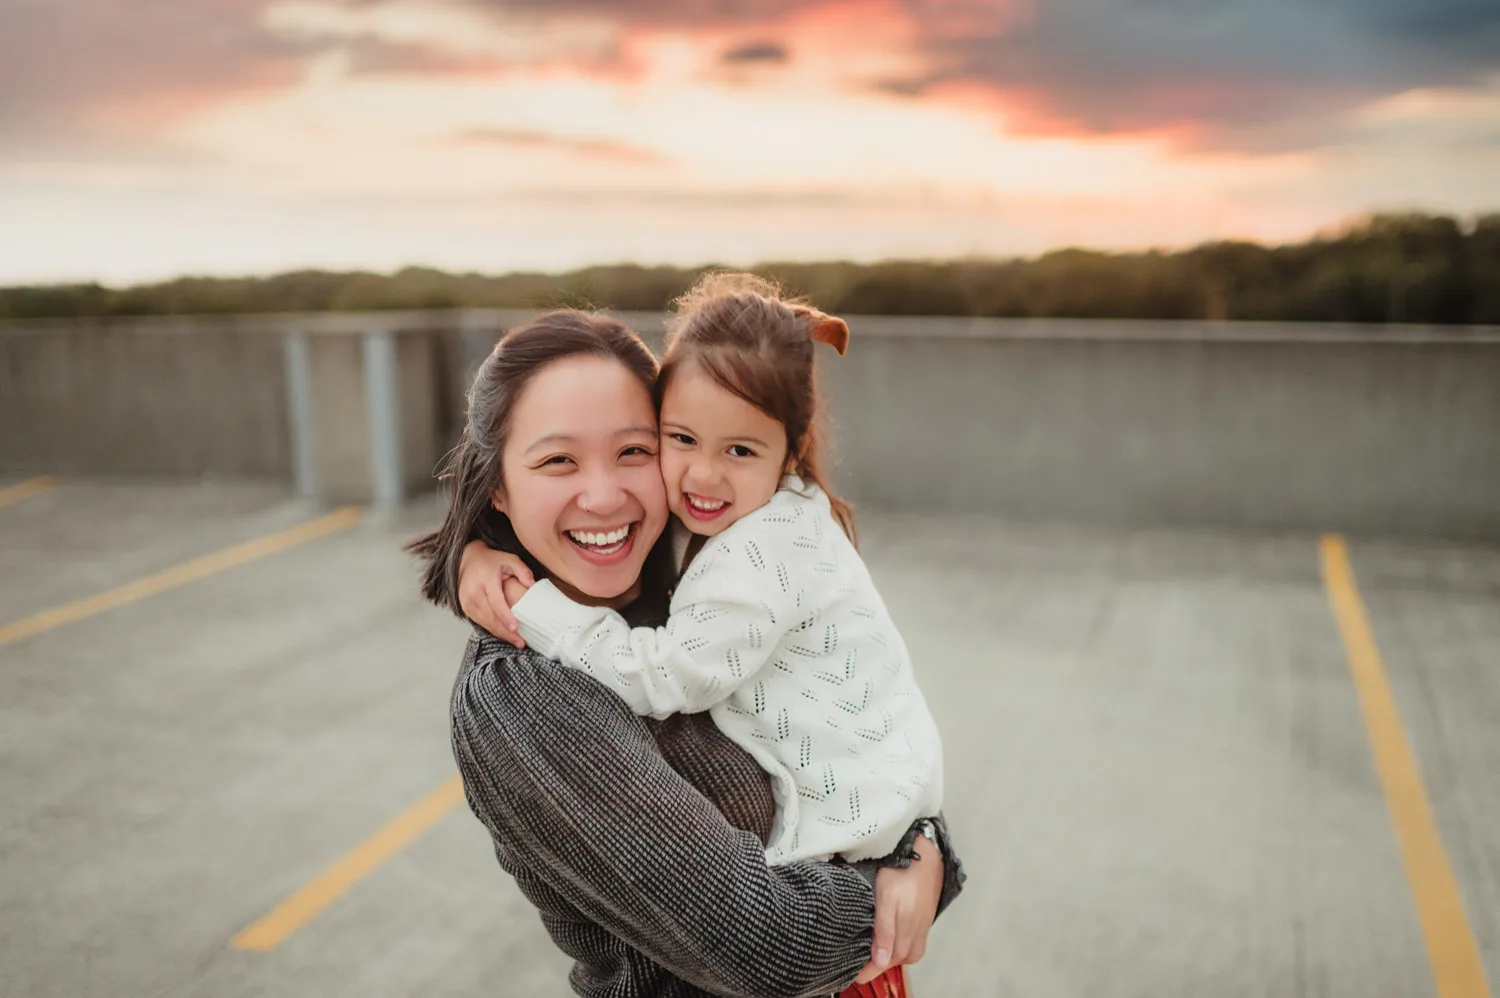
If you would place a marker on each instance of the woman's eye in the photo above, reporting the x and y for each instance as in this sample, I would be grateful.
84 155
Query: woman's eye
556 461
740 450
637 451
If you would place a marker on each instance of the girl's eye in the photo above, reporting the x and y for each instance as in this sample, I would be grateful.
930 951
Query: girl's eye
740 450
683 439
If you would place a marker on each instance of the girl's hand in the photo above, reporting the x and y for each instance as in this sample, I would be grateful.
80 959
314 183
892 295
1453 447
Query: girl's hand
906 902
482 574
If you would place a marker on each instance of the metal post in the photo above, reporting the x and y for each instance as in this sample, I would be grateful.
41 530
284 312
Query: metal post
302 414
382 392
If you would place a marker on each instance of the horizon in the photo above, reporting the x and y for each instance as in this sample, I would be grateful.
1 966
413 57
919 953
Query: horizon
231 138
1329 232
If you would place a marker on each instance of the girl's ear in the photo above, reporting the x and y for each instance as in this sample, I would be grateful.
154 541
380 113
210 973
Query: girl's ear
793 461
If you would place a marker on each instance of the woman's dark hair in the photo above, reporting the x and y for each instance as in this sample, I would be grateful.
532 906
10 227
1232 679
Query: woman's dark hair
756 343
473 469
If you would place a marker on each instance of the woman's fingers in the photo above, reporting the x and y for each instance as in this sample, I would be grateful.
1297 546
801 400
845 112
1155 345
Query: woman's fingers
870 973
905 903
907 931
924 883
883 947
911 939
887 913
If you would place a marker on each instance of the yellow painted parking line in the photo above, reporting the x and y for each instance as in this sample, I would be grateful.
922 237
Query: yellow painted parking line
303 905
25 490
181 575
1456 965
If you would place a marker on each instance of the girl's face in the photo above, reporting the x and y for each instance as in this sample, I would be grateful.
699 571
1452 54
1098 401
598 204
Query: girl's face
583 489
721 457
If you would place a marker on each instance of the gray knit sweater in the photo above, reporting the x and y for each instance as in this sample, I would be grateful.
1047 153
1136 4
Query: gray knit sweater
641 843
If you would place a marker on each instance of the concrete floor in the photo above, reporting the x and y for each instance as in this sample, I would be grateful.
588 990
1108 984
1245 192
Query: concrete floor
1158 772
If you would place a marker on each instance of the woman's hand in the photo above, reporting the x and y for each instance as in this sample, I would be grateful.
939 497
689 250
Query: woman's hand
482 576
906 902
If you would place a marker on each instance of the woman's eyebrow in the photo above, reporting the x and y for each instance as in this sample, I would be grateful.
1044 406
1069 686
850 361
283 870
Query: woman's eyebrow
639 429
549 439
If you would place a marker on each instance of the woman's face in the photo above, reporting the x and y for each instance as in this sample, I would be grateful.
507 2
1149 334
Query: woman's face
582 486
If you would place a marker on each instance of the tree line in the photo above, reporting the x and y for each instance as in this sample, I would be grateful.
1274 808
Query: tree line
1385 268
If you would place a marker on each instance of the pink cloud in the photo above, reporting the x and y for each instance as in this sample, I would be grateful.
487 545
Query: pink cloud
71 70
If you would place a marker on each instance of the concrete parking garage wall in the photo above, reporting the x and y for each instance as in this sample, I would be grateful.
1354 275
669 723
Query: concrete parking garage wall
158 396
1389 430
1383 430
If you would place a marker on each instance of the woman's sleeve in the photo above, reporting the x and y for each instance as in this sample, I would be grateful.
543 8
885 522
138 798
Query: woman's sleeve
905 854
573 789
726 621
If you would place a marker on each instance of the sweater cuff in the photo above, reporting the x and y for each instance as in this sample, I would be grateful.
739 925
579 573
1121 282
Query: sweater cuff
905 854
547 617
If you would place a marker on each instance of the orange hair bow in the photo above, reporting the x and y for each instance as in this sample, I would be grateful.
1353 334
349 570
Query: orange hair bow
824 328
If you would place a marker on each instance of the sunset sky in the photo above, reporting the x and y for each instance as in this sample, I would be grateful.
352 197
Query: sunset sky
142 139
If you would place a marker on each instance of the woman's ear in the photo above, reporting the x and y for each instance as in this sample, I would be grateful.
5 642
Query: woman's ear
497 500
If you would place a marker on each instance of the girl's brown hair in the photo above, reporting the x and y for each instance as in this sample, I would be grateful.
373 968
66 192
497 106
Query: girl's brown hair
755 342
473 469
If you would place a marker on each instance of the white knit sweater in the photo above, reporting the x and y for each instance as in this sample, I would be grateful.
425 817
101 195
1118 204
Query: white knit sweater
777 630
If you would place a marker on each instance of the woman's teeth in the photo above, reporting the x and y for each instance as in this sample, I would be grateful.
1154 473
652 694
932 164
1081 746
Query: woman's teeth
600 540
707 505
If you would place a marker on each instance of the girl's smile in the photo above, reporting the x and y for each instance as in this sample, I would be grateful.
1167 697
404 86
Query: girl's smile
704 508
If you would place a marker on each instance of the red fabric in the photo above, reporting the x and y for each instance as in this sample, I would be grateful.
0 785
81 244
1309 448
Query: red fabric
891 984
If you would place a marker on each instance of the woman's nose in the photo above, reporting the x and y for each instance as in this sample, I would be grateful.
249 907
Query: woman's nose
602 494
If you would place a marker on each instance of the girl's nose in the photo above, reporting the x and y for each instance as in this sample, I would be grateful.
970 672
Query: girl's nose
701 474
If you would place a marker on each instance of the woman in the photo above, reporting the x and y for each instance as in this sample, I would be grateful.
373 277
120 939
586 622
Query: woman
641 843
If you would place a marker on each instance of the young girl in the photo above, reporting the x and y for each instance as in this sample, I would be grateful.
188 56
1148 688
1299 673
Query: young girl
776 628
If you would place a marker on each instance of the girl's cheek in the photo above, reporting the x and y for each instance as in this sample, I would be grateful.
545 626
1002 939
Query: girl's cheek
671 467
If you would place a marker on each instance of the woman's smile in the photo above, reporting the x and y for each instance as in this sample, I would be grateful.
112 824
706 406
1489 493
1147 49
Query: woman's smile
605 546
